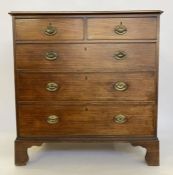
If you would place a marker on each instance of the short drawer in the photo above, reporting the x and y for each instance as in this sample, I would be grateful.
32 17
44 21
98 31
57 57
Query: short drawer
122 28
82 120
86 57
85 86
49 29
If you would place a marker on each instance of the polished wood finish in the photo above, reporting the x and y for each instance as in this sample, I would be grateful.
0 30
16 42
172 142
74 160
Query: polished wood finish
53 13
137 28
85 86
87 57
83 120
33 29
88 79
21 154
151 146
152 153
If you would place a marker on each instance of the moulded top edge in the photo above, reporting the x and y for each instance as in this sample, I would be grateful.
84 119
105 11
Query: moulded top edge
84 12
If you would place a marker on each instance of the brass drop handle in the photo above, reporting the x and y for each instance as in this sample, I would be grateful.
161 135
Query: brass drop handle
51 56
51 87
120 119
50 30
120 29
52 119
120 86
120 55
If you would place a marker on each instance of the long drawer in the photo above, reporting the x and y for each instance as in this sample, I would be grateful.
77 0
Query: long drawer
86 57
122 28
49 29
85 86
72 120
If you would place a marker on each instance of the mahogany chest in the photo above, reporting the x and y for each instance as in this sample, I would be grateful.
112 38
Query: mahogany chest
86 76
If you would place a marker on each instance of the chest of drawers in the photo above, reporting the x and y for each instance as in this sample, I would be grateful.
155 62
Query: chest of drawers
86 76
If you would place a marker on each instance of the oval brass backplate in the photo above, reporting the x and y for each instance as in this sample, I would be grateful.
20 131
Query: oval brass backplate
120 55
51 87
51 56
120 119
120 86
120 29
52 119
50 30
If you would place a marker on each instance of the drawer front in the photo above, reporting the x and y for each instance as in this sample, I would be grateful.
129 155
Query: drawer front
85 86
122 28
49 29
86 57
51 120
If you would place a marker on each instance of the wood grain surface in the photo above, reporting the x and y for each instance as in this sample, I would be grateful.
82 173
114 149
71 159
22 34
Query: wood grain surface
85 86
137 28
87 57
86 71
85 120
33 29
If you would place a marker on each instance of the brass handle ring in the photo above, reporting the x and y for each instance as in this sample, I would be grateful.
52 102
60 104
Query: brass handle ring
120 55
51 87
51 56
120 29
50 30
120 86
52 119
120 119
